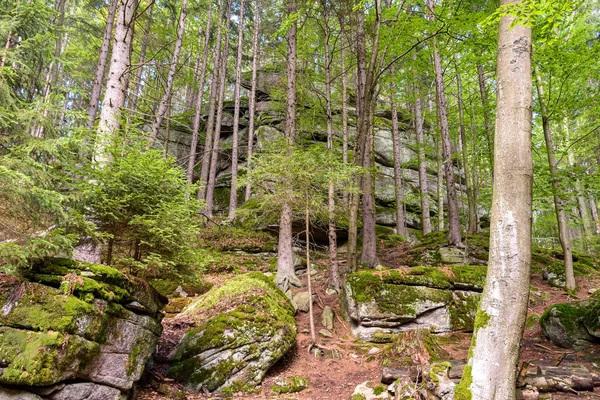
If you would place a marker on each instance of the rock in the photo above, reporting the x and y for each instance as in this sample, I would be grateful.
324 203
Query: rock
438 382
370 391
293 384
331 292
393 301
564 325
451 255
236 333
12 394
325 333
77 324
301 301
87 391
327 318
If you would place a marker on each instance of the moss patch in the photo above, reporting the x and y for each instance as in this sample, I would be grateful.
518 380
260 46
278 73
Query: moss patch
292 384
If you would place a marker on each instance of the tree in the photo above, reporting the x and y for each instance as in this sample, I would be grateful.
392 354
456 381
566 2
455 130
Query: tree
491 370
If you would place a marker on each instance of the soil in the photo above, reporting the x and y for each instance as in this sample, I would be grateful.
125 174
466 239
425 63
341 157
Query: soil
336 379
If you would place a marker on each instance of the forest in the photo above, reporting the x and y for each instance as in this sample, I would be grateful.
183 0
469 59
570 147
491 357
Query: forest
299 199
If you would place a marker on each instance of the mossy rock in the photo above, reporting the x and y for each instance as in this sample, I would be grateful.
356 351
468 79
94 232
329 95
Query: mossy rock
176 305
293 384
239 331
413 347
389 301
564 324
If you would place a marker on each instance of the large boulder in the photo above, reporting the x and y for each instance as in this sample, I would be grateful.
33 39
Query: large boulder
76 321
235 334
573 325
381 303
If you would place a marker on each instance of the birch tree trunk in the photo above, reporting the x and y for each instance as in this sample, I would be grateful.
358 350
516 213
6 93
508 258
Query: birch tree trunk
189 175
166 98
236 116
118 80
491 370
286 275
103 57
559 206
252 99
214 156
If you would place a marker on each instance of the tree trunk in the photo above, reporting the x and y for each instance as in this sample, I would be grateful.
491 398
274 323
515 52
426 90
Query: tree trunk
252 99
311 317
6 48
334 274
236 116
286 275
400 221
423 187
138 77
118 80
440 186
454 233
594 213
472 208
189 175
486 117
192 93
561 219
344 100
166 98
214 157
99 77
491 370
212 104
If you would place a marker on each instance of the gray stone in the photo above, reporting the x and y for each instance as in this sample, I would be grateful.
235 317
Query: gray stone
451 255
563 324
325 333
331 292
12 394
327 318
366 389
87 391
301 301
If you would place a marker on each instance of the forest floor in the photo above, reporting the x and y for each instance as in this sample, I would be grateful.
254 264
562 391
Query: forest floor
336 379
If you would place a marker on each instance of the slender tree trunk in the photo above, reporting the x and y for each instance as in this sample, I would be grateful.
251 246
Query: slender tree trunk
6 49
423 186
118 80
561 219
236 117
400 221
344 99
99 77
454 233
334 274
189 175
594 213
486 117
491 370
440 186
191 93
138 77
212 104
311 317
214 157
472 216
286 275
166 98
252 99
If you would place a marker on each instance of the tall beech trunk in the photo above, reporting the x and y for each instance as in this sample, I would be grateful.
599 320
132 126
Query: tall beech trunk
118 80
286 275
236 116
423 187
454 233
334 275
214 156
252 100
166 98
189 175
472 207
212 104
486 117
101 66
400 220
491 370
559 205
142 60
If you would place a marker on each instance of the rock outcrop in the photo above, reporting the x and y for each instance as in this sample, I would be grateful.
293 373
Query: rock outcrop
75 330
443 299
233 335
573 325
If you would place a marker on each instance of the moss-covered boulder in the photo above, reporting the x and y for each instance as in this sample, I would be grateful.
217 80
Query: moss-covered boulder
76 321
573 325
236 333
390 301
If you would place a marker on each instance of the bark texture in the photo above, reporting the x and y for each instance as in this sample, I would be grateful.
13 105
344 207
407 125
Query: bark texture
491 370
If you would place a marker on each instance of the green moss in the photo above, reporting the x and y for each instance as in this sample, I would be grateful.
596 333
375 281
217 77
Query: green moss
463 310
468 276
533 321
482 319
570 315
462 391
358 396
377 390
438 369
422 276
